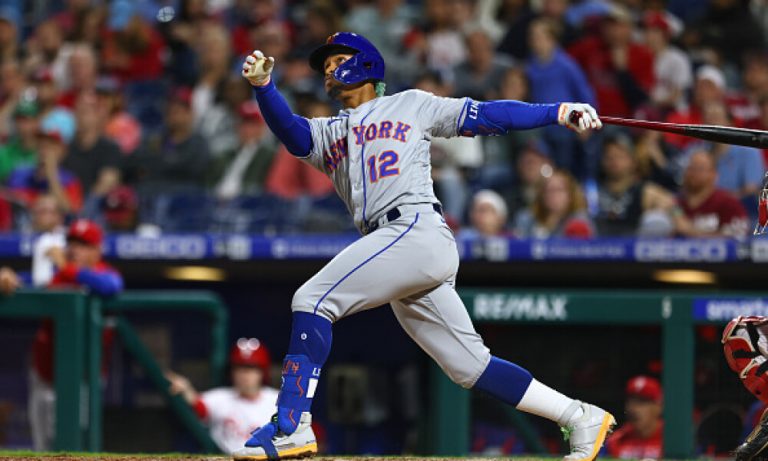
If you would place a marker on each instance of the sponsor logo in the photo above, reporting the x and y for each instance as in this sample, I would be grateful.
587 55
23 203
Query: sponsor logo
520 307
703 250
724 310
171 247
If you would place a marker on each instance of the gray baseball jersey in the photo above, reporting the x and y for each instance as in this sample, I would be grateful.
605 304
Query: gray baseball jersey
377 155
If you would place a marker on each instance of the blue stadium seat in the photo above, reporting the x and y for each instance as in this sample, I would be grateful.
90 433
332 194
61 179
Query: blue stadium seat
327 214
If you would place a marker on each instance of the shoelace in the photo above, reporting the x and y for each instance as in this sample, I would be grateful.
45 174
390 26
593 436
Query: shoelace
566 433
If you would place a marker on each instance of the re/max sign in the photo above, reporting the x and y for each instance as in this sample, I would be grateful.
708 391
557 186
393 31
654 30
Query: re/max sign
520 307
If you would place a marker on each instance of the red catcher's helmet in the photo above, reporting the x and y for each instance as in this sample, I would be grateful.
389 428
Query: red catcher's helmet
250 352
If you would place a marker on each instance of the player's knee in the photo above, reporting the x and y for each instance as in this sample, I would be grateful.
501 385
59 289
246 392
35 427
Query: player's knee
305 300
465 374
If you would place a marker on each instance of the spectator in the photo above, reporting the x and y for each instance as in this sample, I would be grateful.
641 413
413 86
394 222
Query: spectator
215 58
289 178
48 176
120 209
244 170
218 124
711 212
438 43
516 15
558 210
672 69
21 149
641 437
70 17
482 69
555 77
709 88
385 23
487 216
9 33
46 92
12 84
82 70
739 168
726 29
755 83
620 71
46 49
131 49
762 123
628 205
82 266
182 34
92 157
248 17
533 165
232 413
323 20
453 160
501 152
118 125
176 158
48 247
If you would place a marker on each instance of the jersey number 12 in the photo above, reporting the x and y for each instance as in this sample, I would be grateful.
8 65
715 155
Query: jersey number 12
386 161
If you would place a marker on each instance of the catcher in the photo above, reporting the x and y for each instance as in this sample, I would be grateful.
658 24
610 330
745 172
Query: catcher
746 348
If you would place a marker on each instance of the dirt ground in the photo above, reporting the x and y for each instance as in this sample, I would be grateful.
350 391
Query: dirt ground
110 457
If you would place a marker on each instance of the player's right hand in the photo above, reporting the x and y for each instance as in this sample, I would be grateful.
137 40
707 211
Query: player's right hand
257 68
578 117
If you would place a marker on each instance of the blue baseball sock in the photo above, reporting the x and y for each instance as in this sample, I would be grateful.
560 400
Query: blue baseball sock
310 344
504 380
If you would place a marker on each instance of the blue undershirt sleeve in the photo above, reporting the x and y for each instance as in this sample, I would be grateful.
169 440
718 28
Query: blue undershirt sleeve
291 129
493 118
101 283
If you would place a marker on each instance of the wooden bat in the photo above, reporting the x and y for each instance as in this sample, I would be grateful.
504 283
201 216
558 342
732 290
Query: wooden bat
714 133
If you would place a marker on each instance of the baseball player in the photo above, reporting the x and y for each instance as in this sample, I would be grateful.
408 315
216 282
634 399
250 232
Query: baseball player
746 348
376 152
231 413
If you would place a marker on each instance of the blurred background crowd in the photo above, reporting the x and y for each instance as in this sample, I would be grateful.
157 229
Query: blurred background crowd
133 113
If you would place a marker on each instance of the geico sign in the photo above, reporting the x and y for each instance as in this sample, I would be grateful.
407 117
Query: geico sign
682 250
161 248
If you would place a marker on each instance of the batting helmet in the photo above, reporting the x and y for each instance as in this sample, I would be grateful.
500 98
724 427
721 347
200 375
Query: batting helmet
250 352
366 64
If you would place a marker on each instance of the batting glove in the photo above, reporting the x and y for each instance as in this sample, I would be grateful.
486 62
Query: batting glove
578 117
257 68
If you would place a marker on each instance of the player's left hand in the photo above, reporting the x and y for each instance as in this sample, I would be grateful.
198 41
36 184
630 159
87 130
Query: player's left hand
578 117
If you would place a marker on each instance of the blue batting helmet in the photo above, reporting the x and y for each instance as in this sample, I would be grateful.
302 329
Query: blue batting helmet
366 64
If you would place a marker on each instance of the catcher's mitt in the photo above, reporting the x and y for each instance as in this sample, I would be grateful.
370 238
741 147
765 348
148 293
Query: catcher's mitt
755 446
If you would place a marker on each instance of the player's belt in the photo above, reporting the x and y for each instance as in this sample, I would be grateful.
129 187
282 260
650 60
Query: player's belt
395 213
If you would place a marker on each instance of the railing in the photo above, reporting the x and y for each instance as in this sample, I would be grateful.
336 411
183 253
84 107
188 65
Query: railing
677 313
78 322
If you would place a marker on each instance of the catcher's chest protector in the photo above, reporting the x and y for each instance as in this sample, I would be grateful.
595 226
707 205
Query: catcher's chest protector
742 341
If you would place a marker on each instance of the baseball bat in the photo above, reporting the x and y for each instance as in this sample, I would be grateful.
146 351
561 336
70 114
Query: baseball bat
714 133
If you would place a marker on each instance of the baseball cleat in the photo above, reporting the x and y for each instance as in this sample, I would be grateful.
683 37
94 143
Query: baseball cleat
586 433
755 447
269 443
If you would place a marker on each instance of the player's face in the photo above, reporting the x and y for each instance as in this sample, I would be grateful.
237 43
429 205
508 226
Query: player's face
331 63
247 380
83 255
643 414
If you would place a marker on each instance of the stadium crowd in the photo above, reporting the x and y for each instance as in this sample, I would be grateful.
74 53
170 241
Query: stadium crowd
134 114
